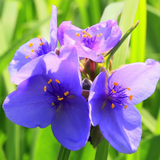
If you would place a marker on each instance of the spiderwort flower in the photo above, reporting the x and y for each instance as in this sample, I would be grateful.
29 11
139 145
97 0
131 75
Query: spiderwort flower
34 48
53 97
112 103
92 41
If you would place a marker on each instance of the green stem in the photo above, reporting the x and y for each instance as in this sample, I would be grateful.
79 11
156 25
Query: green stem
102 150
63 153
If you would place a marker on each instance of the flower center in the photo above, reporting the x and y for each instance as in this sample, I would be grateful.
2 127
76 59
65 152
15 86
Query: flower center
117 95
43 48
88 38
55 89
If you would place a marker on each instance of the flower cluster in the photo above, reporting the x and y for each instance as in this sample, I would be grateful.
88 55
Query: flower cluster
50 89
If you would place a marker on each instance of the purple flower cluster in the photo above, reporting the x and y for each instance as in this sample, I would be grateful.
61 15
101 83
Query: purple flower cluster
50 87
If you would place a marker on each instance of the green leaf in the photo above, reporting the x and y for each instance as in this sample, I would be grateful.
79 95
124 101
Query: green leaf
63 153
126 21
102 150
112 11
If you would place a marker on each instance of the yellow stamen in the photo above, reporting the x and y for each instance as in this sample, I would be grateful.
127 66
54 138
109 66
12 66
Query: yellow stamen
53 104
77 34
115 83
41 44
101 34
113 91
88 27
27 56
84 35
125 107
89 35
130 97
50 80
45 88
40 38
112 105
128 88
84 32
57 81
31 44
66 93
32 50
60 99
97 35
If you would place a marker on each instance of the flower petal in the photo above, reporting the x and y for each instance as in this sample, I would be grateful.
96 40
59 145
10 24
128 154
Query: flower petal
67 67
84 52
66 25
141 78
26 53
28 106
71 124
97 98
121 127
53 28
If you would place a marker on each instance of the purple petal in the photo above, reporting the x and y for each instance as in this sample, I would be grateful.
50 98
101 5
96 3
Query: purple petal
53 28
141 78
26 53
97 98
66 25
121 127
67 67
84 52
71 124
29 106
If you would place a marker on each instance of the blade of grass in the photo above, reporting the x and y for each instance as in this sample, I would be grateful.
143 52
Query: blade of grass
9 17
126 21
112 11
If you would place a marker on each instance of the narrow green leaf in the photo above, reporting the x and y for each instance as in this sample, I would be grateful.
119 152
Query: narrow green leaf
126 21
148 120
2 154
9 18
113 50
102 150
157 130
112 11
153 10
63 153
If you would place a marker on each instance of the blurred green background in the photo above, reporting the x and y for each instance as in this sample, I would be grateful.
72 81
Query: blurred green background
21 20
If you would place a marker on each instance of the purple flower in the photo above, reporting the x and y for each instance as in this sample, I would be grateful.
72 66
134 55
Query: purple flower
34 48
53 97
92 41
112 103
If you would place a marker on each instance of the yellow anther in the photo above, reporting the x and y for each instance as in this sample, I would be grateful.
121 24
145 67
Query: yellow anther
40 38
112 105
84 35
97 35
41 44
115 83
32 50
88 27
84 32
60 99
57 81
77 34
66 93
100 34
130 97
50 80
27 56
113 91
45 88
89 35
128 88
53 104
125 107
31 44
